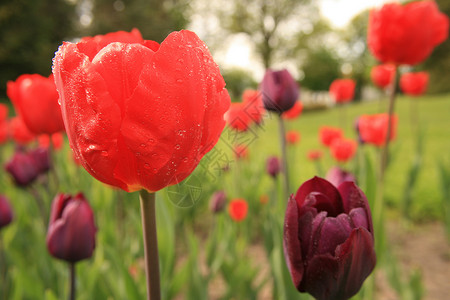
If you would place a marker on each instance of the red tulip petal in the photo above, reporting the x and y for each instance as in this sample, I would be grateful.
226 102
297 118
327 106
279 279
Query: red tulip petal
291 243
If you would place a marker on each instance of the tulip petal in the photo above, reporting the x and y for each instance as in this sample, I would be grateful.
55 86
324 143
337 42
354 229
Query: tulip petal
333 232
291 243
326 196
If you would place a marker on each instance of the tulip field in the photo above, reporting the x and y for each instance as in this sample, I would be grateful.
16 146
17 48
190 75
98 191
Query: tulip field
140 169
206 255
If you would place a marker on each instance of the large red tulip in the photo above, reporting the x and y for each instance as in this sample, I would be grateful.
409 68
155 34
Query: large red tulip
328 239
406 34
414 84
36 100
140 115
342 90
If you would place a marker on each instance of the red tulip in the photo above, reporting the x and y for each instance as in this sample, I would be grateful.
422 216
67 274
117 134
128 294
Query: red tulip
6 214
240 152
342 90
294 112
406 34
414 84
71 231
237 117
382 75
373 128
238 209
314 155
253 105
20 132
140 115
343 149
328 134
36 100
328 239
57 140
4 126
279 90
3 112
292 137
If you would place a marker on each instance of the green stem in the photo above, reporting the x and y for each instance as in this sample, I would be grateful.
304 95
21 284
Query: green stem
284 158
72 281
148 214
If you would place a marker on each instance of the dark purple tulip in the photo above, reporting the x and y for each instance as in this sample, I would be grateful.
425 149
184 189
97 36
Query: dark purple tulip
273 166
328 239
71 231
279 90
218 201
26 166
336 176
6 214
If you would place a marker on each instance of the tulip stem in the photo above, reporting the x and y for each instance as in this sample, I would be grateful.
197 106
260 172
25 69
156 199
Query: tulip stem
148 215
72 281
284 157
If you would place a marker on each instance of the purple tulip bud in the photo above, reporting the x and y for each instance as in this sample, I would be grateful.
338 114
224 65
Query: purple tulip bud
218 201
273 166
328 239
25 167
6 214
71 231
336 176
279 90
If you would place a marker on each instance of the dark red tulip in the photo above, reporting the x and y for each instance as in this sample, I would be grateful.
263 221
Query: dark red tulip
6 214
294 112
373 128
414 84
273 166
218 201
36 100
328 134
328 239
138 114
343 149
336 176
71 230
26 166
382 75
406 34
342 90
279 90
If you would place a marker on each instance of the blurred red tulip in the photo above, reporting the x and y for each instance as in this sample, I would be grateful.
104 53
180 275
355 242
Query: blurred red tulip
343 149
237 117
3 112
238 209
294 112
71 230
57 140
253 105
406 34
140 115
36 100
342 90
292 137
382 75
240 152
414 84
279 90
328 239
263 199
4 125
6 213
314 155
328 134
373 128
20 132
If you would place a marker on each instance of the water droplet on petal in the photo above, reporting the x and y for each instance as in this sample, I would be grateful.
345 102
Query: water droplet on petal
179 80
177 146
147 166
104 153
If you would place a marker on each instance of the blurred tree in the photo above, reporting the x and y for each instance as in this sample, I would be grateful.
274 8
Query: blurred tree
265 22
31 32
237 81
320 68
154 18
438 64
